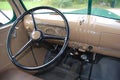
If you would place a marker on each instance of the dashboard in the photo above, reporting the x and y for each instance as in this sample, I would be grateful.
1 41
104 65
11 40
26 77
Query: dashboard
101 34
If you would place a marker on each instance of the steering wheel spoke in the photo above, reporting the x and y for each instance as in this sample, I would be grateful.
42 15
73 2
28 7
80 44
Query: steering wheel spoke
23 48
48 36
35 25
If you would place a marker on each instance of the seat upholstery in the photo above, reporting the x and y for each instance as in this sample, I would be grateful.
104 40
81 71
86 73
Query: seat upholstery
16 74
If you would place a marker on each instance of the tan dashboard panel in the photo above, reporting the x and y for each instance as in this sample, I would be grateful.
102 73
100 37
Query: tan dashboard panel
102 34
110 40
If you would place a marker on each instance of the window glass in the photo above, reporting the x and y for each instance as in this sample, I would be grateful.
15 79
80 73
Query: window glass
66 6
106 8
6 13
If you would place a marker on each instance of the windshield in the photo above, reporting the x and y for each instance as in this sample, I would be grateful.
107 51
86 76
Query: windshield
67 6
104 8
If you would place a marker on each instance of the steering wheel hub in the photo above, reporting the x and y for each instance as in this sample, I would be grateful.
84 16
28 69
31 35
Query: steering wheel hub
35 35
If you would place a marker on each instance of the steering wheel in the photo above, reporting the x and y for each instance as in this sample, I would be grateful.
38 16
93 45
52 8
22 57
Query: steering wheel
36 36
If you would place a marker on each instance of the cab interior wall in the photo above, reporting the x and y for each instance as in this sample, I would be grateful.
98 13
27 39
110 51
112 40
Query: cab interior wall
19 38
93 50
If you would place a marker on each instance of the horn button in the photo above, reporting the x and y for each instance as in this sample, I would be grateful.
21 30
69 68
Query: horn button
36 35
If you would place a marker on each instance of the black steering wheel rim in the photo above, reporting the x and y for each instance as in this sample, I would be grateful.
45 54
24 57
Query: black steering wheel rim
14 61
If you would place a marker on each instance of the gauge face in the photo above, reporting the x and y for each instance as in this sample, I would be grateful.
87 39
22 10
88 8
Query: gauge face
50 31
55 31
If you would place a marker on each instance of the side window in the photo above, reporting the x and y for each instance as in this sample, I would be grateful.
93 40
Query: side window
6 13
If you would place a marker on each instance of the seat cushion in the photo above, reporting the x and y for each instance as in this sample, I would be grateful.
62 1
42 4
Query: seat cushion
16 74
